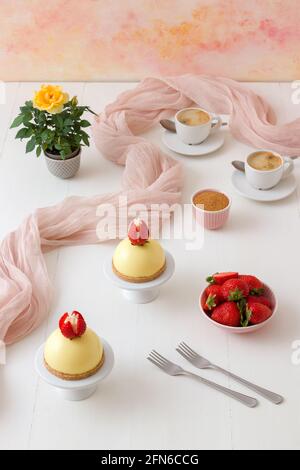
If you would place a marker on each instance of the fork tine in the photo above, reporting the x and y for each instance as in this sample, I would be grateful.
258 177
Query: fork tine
157 359
183 348
162 358
187 352
184 353
155 363
188 348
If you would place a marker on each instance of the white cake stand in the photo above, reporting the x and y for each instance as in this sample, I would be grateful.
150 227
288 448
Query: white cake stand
75 390
141 292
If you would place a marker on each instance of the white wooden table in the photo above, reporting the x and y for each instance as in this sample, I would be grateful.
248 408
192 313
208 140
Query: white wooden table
138 406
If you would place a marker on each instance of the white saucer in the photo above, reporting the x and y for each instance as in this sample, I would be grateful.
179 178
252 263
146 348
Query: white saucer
283 189
75 389
142 292
212 143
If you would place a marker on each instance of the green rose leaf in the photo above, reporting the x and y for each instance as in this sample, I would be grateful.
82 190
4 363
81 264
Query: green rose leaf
79 112
30 145
22 133
45 135
85 139
59 120
84 123
27 118
17 121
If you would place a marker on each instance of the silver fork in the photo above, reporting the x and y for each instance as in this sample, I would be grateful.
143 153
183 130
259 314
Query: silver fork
199 361
173 369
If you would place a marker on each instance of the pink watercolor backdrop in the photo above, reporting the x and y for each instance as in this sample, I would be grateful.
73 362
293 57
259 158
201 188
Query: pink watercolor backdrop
130 39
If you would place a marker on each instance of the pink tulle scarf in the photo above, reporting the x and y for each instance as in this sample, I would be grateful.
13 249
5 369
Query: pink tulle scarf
150 176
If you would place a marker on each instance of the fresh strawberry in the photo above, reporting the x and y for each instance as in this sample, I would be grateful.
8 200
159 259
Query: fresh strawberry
227 314
257 313
138 232
214 296
220 278
66 327
260 299
203 303
235 289
256 287
72 325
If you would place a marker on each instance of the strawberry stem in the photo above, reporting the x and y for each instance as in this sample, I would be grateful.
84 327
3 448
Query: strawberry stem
247 318
257 291
210 301
210 280
236 295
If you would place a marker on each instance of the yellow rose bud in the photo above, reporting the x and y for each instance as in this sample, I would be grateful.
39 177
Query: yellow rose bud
74 101
50 98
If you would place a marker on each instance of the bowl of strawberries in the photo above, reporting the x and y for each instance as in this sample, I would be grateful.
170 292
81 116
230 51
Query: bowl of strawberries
240 303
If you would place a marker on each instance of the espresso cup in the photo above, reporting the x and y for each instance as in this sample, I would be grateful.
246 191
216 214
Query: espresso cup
267 179
196 133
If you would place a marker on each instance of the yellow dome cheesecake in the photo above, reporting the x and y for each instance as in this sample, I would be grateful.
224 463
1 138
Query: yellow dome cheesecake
138 258
73 351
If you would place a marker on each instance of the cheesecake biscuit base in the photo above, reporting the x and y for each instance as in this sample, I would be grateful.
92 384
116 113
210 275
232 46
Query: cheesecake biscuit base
84 375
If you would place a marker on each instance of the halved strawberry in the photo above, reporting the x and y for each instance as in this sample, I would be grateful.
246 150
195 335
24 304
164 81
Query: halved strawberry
235 290
227 314
256 287
214 296
220 278
72 325
138 232
66 327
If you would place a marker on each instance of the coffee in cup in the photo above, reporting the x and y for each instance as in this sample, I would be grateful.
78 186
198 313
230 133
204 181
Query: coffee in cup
193 125
264 161
193 117
264 169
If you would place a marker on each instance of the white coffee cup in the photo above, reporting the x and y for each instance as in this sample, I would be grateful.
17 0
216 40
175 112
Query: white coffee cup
198 133
267 179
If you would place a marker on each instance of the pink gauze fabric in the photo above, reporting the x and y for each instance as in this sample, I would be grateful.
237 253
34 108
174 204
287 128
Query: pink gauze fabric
150 176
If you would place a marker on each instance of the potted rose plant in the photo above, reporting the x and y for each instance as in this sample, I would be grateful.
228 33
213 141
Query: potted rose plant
53 124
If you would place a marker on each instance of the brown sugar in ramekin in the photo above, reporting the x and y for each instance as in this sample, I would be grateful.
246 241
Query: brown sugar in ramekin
211 201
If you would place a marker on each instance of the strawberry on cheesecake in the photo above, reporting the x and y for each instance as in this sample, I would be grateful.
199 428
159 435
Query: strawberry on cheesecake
73 351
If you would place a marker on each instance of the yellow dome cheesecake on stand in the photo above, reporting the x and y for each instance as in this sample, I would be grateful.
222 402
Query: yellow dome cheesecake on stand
139 265
137 258
73 351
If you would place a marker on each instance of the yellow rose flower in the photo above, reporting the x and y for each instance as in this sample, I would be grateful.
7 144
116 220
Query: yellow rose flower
50 98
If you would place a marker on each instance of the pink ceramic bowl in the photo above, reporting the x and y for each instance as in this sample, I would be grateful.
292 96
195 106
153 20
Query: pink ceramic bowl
242 330
211 220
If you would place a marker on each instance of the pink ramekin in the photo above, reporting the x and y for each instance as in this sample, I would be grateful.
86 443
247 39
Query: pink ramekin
211 220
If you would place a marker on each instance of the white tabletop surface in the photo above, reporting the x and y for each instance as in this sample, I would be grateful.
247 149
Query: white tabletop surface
138 406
